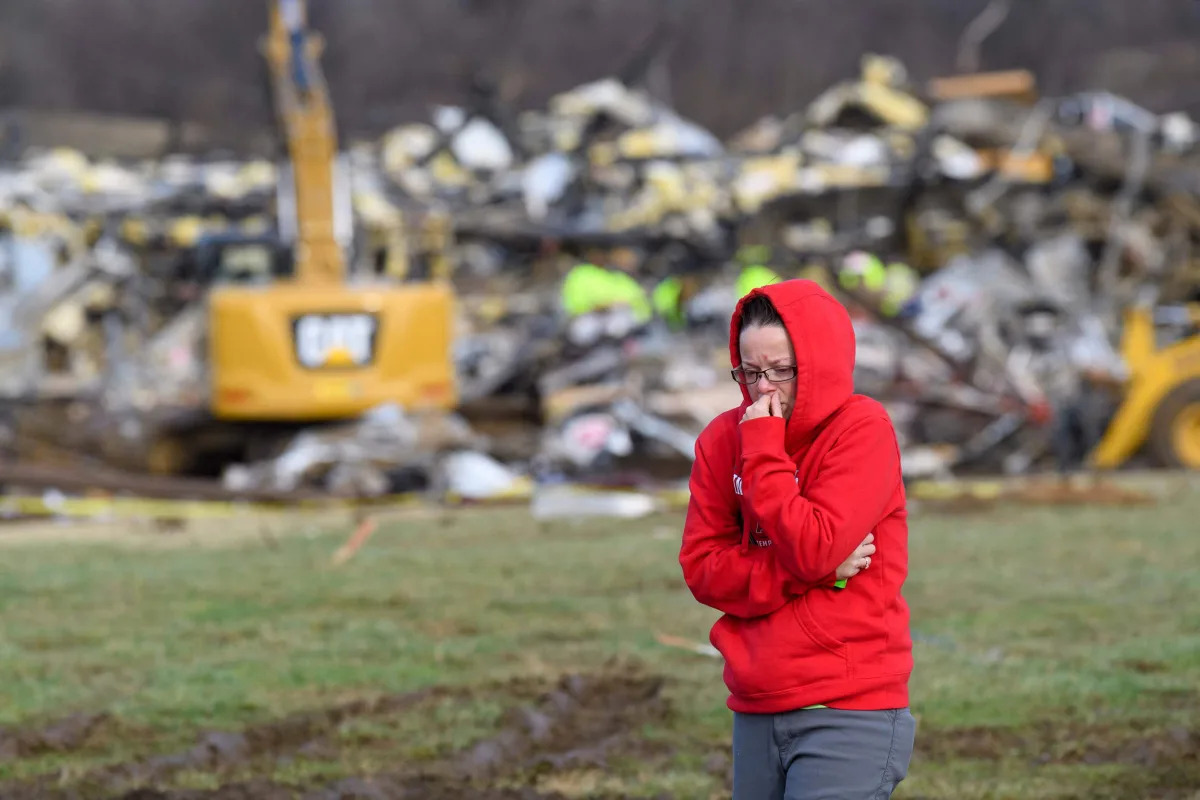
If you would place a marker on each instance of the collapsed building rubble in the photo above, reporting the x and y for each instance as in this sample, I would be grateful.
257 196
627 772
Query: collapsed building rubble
989 243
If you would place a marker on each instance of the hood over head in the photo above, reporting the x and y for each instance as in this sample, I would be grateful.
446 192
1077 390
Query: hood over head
822 337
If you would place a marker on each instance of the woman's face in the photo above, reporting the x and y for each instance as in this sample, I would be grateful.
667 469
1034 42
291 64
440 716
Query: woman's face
767 348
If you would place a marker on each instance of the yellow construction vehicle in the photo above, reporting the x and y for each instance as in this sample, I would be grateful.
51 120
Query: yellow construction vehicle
1161 406
293 337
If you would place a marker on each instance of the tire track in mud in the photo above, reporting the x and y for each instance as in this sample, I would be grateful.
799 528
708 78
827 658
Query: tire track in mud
579 723
1162 762
61 736
1058 743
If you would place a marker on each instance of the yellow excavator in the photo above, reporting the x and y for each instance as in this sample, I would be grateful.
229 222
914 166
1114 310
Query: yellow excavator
293 337
1160 409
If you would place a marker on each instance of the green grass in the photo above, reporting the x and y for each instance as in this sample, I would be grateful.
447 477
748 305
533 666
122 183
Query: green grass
1082 624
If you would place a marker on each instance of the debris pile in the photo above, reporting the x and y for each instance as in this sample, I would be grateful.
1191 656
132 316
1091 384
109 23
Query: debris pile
989 242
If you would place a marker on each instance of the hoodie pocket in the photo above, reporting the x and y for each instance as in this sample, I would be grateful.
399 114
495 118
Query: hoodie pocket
779 652
808 621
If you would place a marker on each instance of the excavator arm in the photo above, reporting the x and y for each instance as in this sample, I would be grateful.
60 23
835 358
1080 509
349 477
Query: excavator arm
1161 406
305 117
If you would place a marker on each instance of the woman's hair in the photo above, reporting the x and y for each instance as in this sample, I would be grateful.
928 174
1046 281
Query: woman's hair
758 312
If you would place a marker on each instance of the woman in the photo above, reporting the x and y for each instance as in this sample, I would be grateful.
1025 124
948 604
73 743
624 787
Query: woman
787 491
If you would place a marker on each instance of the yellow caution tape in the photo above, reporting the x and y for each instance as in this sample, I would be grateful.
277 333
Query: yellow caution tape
124 507
51 505
675 499
952 490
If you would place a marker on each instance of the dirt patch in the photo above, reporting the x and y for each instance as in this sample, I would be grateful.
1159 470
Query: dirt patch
213 751
220 750
581 722
965 504
419 788
1159 762
62 736
1142 665
351 789
1054 743
578 724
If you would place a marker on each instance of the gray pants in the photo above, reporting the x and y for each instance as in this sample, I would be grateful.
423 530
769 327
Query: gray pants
821 754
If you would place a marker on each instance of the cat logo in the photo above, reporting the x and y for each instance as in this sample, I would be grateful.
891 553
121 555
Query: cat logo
335 340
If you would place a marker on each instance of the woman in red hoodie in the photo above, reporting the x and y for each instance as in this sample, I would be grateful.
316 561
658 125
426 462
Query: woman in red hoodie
787 491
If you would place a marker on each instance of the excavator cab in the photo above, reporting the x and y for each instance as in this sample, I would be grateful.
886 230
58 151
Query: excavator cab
222 259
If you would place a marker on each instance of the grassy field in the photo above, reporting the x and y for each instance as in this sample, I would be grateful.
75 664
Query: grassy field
1058 655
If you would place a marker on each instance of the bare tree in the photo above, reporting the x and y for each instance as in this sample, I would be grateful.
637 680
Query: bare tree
728 63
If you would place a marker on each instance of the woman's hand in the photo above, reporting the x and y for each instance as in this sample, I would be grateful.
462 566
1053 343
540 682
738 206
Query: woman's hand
766 406
859 560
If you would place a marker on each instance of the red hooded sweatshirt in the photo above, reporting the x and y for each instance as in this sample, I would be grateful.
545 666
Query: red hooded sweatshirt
777 505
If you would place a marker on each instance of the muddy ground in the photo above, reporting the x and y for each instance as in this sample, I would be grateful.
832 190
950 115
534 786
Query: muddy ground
582 722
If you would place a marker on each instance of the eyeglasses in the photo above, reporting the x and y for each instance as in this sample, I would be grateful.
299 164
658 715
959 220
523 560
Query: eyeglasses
774 374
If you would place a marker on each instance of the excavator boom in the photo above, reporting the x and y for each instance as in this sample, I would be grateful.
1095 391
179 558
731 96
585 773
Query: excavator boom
305 117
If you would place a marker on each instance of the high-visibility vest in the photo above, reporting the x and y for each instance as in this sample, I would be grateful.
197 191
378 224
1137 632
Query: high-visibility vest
587 288
753 277
901 285
862 270
667 299
583 288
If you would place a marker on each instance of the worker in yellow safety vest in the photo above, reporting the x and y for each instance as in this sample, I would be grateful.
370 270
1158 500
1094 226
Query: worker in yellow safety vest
899 288
670 299
668 302
891 285
755 276
755 273
588 288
